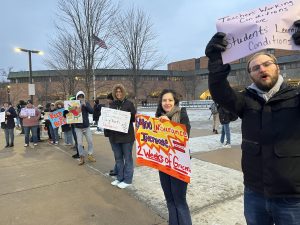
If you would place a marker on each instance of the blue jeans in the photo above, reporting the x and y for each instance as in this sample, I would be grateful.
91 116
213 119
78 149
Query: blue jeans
260 210
9 133
175 194
54 134
80 132
68 137
124 161
225 132
33 130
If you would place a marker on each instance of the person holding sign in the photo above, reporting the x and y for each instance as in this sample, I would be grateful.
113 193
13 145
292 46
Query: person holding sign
270 114
174 189
83 129
9 124
122 143
30 115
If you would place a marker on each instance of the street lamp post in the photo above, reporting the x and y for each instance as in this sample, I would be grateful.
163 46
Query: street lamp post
30 64
8 93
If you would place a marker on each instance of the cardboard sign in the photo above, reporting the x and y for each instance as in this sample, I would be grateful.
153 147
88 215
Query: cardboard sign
2 117
269 26
56 118
75 114
27 112
163 146
113 119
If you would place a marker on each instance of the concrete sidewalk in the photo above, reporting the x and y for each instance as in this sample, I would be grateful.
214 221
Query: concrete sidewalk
44 185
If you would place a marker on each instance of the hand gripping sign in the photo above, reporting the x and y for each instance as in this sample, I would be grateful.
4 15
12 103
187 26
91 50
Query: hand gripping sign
163 146
265 27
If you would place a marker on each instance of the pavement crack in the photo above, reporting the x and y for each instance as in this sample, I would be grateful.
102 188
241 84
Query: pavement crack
216 203
38 187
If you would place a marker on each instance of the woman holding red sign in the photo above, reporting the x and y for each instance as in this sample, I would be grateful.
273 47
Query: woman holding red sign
174 189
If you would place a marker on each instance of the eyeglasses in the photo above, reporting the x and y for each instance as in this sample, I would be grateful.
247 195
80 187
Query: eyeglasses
256 68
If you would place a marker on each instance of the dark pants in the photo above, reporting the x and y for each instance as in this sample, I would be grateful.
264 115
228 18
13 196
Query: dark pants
75 138
175 194
259 210
9 134
33 130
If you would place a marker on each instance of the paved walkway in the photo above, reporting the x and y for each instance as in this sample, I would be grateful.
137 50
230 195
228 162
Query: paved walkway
44 185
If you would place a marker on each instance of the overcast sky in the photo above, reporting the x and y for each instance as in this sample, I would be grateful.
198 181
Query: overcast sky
183 27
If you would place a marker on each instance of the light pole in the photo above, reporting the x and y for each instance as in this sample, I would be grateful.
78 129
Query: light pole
8 93
30 65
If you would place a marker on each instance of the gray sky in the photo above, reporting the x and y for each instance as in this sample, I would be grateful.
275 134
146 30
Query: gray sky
183 26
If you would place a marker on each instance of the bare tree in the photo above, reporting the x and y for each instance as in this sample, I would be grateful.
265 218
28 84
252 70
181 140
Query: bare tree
64 60
135 44
82 19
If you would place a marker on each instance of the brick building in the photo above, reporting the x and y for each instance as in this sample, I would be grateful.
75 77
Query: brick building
188 77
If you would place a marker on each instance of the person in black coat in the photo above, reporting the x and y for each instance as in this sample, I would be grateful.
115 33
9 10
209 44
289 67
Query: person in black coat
9 124
122 143
97 114
224 117
174 189
269 110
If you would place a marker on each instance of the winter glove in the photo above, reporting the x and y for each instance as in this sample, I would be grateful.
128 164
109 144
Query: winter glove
217 70
296 35
65 112
215 46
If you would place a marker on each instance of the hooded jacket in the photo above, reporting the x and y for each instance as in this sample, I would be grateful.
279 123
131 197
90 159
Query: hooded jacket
124 105
86 110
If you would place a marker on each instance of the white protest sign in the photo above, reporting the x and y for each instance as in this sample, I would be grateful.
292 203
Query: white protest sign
269 26
113 119
27 112
2 117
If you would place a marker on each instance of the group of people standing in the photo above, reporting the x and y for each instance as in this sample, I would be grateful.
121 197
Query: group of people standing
269 110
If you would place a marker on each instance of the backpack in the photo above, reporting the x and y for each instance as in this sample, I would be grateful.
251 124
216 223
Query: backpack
213 108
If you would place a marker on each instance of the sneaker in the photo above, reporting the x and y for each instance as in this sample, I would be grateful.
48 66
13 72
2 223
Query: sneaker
35 144
123 185
91 158
6 146
115 183
11 145
98 132
227 145
56 143
26 145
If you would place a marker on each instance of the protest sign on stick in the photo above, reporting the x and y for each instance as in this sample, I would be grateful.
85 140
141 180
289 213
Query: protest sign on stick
163 145
265 27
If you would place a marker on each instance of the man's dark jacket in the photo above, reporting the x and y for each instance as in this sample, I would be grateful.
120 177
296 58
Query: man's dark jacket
270 134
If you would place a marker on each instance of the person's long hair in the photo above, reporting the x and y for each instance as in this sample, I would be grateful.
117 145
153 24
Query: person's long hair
159 110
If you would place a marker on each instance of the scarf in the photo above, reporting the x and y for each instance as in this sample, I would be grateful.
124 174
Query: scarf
174 114
266 95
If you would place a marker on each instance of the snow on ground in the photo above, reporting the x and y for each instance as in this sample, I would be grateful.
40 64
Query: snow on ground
215 192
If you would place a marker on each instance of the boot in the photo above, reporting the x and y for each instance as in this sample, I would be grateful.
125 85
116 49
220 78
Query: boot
81 162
